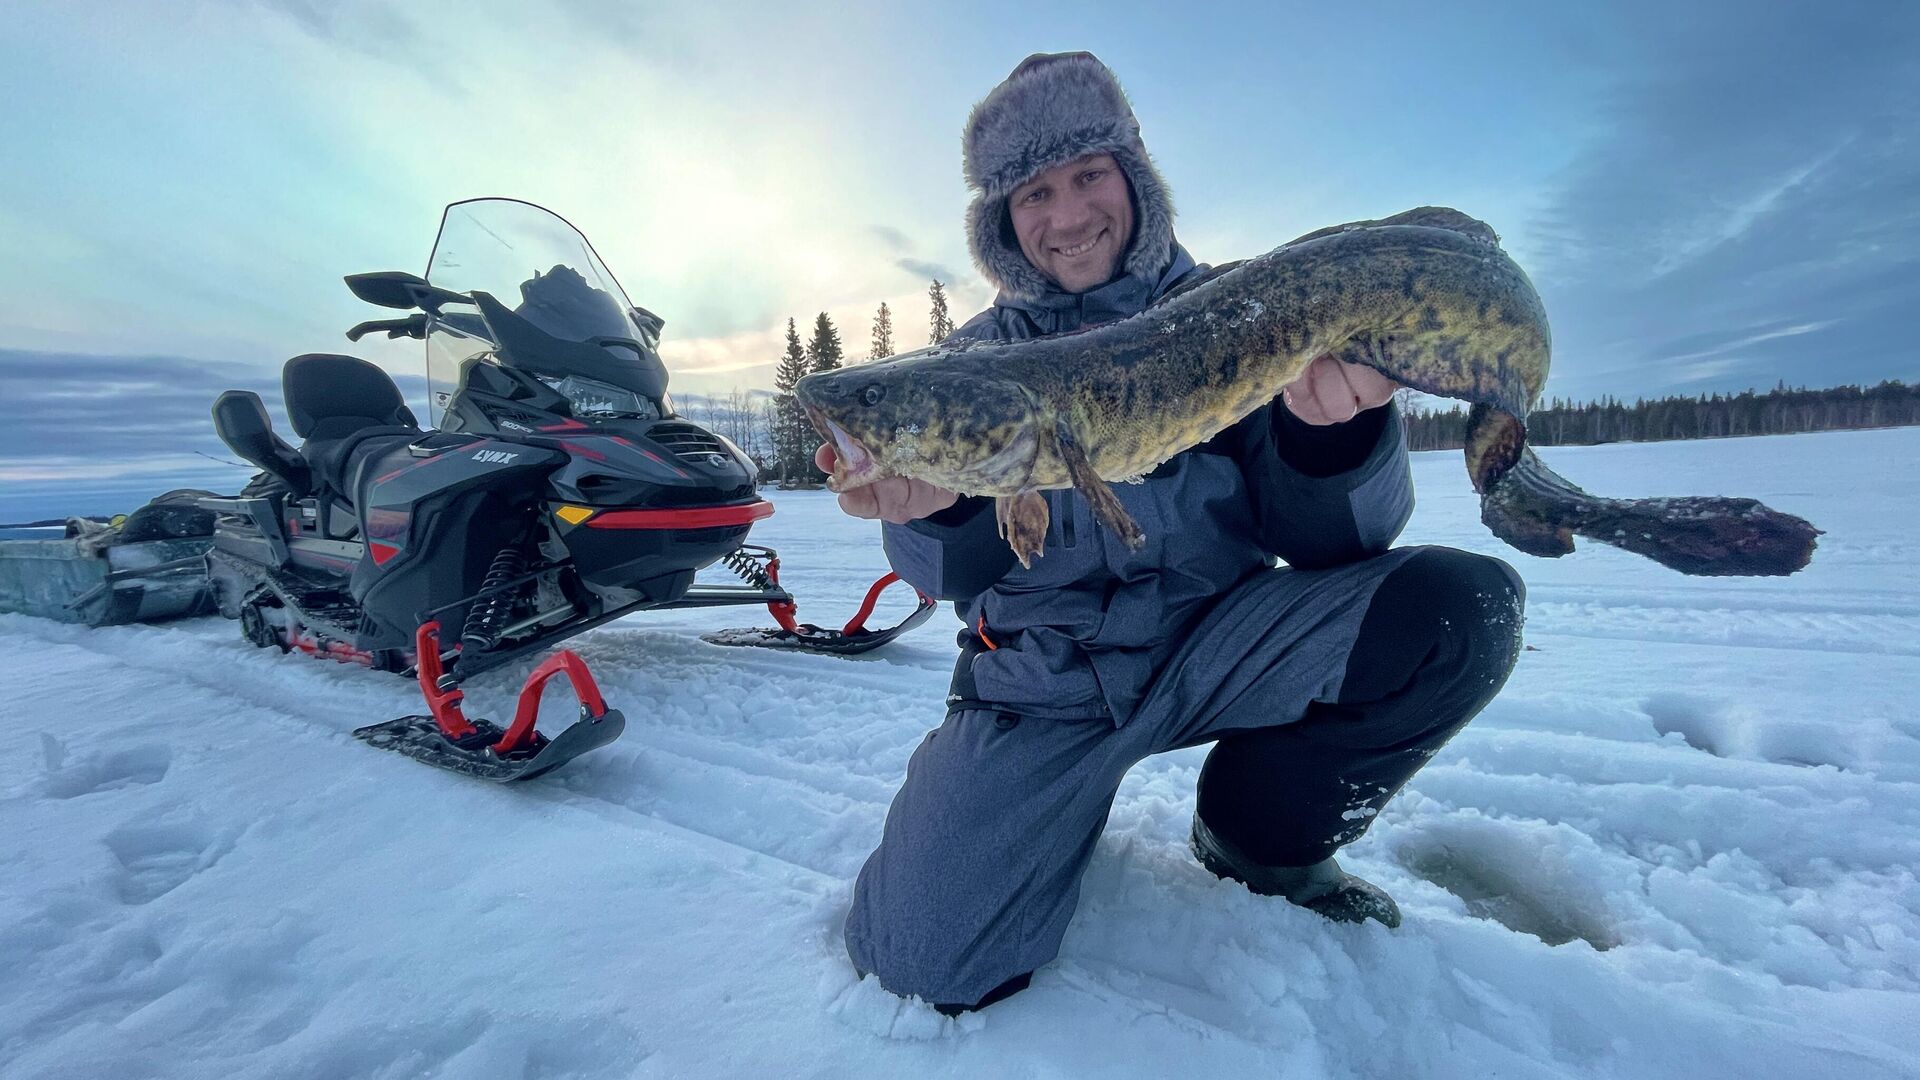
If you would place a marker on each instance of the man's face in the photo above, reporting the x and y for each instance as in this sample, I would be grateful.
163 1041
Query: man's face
1074 221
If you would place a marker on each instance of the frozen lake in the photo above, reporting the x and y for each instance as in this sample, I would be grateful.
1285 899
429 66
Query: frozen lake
1681 842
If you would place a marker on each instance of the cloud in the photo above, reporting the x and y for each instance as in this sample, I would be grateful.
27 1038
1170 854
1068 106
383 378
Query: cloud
1720 228
1752 193
74 408
1701 371
719 363
926 271
713 365
373 27
83 416
1748 339
898 243
893 238
376 26
83 434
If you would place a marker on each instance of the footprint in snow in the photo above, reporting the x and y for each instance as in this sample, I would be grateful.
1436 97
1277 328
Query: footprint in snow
1502 889
155 859
1736 730
130 766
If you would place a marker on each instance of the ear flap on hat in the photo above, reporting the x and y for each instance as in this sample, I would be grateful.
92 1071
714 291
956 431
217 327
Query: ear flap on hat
997 254
1152 247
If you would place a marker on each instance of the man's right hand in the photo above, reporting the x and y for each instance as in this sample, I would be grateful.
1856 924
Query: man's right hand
896 499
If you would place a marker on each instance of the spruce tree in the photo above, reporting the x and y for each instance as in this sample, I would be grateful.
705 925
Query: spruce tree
941 323
792 446
823 352
882 346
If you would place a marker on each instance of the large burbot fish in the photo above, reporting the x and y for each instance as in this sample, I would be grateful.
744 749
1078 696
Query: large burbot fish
1426 297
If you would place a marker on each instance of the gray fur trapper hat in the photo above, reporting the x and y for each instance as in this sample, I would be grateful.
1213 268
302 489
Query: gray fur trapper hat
1056 107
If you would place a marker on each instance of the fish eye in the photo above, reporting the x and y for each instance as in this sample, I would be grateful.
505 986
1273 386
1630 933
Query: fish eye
872 394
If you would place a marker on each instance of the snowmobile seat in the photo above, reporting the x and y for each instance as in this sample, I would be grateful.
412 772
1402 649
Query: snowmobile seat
336 461
243 424
330 395
347 410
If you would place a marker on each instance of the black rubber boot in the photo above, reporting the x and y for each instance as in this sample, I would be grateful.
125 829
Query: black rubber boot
1322 888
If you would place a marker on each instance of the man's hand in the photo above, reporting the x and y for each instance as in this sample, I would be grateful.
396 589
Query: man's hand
896 498
1332 391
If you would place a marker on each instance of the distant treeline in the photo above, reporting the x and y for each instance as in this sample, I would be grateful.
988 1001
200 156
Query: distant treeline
1780 411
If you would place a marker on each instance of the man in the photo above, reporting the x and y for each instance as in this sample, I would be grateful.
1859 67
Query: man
1323 685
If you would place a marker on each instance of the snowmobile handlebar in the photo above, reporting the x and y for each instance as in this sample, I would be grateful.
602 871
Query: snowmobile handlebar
413 326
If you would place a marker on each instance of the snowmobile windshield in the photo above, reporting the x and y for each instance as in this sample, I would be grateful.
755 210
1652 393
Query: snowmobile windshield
548 305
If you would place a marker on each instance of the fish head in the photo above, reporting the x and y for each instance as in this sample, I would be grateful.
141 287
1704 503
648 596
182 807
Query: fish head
957 427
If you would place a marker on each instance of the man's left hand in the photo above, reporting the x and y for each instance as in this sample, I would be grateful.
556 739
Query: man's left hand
1332 391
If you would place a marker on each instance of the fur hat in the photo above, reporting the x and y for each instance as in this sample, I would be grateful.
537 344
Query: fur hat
1056 107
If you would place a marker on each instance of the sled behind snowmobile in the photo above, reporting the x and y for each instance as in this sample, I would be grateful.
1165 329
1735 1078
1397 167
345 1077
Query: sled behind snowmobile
146 566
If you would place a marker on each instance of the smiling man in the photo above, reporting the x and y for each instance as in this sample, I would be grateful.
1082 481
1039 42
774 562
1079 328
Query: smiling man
1073 221
1323 685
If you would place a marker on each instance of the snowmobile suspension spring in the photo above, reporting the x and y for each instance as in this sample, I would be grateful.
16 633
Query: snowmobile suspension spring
494 602
743 563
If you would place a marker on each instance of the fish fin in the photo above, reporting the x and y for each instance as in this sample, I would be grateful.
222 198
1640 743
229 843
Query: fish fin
1106 505
1023 521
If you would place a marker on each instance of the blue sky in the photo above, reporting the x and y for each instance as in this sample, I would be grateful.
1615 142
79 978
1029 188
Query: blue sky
1710 196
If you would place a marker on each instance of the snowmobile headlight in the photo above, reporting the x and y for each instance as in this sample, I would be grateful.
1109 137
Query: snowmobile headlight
593 398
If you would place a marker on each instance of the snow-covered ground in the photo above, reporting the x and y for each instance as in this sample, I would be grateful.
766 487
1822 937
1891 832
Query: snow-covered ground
1682 842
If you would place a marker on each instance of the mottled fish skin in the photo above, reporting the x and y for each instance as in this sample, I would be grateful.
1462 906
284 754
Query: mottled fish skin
1425 297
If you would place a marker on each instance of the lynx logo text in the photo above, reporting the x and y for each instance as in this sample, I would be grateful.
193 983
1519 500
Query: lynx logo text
494 457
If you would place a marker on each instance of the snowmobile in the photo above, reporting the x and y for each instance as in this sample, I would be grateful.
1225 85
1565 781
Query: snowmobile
558 492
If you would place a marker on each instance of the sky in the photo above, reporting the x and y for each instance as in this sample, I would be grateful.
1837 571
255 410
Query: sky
1710 196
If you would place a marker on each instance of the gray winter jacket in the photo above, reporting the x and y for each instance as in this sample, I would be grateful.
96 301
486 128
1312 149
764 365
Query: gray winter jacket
1081 634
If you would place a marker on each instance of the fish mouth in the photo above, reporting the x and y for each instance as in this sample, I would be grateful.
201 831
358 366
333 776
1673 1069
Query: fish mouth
853 466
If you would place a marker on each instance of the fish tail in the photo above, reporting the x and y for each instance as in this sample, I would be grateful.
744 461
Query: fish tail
1539 512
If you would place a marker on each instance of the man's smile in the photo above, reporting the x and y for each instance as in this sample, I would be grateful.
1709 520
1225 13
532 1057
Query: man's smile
1078 250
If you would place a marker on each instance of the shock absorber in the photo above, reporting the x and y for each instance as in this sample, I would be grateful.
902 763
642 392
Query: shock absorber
493 605
745 561
741 562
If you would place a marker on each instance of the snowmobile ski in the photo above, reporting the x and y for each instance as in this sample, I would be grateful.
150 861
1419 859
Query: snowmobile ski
446 739
760 567
420 738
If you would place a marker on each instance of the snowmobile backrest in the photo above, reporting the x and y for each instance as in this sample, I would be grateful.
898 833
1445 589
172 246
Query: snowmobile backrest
340 394
245 427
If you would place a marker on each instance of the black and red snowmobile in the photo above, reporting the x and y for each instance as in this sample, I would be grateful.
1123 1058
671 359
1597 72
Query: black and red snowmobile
558 492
